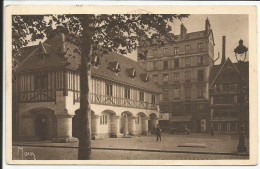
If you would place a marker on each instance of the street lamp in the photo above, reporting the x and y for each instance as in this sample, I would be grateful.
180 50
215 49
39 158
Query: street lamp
240 53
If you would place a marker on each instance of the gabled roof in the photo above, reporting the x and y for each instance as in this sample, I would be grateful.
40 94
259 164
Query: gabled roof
60 53
25 53
241 68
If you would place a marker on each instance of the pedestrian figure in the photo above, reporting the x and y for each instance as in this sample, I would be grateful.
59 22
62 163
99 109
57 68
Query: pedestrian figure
158 131
212 132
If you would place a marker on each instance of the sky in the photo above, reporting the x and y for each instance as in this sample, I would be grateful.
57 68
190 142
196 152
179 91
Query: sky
233 26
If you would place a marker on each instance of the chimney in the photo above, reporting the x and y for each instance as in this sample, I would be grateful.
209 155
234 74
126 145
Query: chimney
207 25
223 59
183 31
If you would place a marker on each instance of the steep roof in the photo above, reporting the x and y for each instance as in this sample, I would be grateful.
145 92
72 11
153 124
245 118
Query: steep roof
25 52
123 76
192 35
57 52
242 68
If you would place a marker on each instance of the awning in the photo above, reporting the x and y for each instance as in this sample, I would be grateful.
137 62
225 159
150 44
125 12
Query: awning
180 118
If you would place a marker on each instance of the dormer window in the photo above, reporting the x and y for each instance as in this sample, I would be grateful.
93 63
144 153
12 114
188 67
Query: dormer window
145 77
95 61
114 66
131 72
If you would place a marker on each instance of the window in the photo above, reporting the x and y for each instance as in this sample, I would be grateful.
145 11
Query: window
176 63
187 61
200 93
103 120
109 91
200 46
176 50
149 54
153 99
164 51
235 99
141 96
187 48
166 94
177 76
155 65
176 93
188 92
187 75
165 65
200 60
187 108
155 78
41 81
165 78
127 93
200 75
201 106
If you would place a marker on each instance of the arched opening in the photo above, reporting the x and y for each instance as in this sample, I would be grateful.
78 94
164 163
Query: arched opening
45 123
152 123
106 123
126 126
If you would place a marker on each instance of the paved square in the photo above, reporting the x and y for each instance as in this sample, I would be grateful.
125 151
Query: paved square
138 148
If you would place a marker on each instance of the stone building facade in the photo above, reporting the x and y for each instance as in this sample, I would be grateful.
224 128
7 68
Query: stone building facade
181 69
123 98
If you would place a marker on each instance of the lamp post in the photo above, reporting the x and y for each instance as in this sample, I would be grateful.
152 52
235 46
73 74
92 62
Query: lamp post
240 53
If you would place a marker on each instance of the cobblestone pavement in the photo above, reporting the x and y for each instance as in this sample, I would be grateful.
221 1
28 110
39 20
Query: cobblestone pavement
51 153
218 144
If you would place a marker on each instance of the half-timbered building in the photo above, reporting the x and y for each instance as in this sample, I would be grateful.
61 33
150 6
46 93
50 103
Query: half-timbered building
226 81
123 98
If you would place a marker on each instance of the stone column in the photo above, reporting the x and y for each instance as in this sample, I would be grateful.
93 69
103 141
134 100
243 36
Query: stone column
64 128
115 126
131 125
145 126
95 126
126 131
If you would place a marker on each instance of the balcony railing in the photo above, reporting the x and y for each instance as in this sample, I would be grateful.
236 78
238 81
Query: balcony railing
37 96
120 102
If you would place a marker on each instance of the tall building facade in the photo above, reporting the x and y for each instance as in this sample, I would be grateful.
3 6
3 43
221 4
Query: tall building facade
181 69
123 98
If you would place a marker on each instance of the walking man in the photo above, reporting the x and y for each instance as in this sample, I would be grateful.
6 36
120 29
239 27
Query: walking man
158 131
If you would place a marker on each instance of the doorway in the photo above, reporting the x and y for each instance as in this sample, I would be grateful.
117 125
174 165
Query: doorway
41 126
45 123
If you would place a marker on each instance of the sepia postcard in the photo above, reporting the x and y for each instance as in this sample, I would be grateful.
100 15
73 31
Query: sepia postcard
131 85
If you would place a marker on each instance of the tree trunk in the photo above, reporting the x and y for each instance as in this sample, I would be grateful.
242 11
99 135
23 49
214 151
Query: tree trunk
84 149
